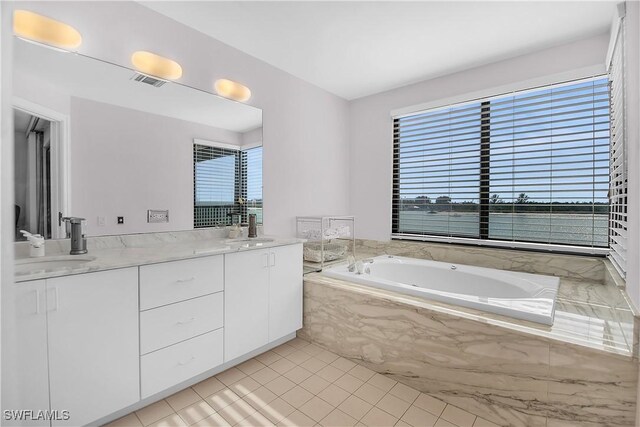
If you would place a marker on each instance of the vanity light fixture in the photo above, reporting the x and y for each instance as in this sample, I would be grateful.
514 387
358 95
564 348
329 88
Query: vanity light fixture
45 31
156 66
232 90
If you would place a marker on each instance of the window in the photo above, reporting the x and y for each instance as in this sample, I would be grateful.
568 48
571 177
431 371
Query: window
527 168
226 181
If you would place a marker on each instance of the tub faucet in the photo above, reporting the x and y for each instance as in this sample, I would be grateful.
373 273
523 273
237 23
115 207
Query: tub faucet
351 263
78 241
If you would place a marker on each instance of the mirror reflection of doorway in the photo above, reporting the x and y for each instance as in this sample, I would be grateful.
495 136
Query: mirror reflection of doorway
32 170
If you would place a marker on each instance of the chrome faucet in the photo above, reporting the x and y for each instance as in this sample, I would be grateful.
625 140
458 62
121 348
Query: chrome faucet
78 241
253 226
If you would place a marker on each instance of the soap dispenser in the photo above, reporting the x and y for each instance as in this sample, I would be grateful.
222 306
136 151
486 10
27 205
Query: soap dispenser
36 243
235 231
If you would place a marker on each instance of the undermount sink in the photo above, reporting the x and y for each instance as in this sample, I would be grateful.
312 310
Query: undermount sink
250 240
245 242
50 263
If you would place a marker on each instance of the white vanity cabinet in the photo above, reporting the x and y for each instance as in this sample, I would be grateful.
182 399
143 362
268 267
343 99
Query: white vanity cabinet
93 343
26 384
74 346
181 321
285 291
246 316
263 297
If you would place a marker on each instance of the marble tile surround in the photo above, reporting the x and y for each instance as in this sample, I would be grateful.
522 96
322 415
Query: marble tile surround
506 376
571 266
583 289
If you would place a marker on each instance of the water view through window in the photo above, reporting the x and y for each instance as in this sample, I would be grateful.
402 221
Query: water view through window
532 166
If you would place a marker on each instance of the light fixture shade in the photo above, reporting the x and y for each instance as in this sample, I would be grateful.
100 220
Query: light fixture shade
156 65
40 29
232 90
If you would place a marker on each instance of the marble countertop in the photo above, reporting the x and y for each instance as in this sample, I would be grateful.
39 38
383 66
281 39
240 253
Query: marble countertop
120 252
593 315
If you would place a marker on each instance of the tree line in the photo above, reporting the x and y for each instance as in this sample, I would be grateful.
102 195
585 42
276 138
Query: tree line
522 203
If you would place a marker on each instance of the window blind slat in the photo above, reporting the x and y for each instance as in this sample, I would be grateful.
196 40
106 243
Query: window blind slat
226 181
618 166
508 167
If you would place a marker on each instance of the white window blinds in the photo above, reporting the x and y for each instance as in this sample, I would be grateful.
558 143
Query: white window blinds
217 183
530 167
254 182
618 169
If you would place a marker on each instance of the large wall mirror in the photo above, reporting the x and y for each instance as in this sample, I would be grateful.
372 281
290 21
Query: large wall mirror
93 141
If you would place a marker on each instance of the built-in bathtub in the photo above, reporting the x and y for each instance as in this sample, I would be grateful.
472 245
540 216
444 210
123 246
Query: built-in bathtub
519 295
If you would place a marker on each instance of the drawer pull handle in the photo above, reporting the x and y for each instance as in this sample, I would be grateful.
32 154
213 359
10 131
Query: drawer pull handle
185 322
187 362
190 279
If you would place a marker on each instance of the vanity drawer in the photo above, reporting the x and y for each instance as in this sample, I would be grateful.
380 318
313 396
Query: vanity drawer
172 365
164 326
169 282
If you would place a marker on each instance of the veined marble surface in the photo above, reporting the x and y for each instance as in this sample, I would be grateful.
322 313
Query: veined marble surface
512 373
592 323
589 285
121 251
570 266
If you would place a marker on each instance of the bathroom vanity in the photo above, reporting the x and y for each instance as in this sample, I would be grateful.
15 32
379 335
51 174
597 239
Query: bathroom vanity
139 323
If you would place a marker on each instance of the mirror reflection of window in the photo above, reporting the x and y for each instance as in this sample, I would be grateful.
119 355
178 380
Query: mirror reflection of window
227 184
254 182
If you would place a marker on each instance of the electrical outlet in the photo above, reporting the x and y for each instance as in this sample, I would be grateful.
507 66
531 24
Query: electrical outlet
120 220
101 221
157 216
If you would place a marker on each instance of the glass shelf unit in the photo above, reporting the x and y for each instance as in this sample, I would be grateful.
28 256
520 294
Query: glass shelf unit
330 240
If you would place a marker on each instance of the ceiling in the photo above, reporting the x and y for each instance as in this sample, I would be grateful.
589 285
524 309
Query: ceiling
84 77
354 49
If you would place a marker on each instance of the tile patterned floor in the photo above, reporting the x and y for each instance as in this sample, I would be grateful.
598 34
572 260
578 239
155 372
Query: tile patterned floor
300 384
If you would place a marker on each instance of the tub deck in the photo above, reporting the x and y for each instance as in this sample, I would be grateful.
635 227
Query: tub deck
582 369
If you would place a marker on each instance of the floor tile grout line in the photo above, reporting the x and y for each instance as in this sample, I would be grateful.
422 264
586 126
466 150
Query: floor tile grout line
295 348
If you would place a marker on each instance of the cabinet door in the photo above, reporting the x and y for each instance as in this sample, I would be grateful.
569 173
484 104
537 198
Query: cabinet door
93 344
285 290
25 377
246 302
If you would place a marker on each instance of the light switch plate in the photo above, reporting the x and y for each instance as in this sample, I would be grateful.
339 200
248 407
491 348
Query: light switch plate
157 215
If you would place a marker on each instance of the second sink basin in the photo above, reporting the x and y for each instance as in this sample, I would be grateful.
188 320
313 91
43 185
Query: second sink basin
50 263
250 240
245 242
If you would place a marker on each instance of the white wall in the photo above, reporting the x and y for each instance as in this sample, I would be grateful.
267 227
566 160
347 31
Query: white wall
124 162
7 312
371 134
305 128
252 137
